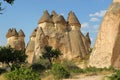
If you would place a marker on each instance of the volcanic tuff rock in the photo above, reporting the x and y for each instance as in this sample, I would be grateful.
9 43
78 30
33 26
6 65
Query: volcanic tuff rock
106 51
31 46
55 31
15 39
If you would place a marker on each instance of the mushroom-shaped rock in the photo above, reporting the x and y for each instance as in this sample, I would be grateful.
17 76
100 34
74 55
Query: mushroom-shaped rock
34 33
21 33
59 19
73 20
45 18
9 33
14 32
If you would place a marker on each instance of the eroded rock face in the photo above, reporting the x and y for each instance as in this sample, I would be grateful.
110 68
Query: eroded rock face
54 31
106 50
31 47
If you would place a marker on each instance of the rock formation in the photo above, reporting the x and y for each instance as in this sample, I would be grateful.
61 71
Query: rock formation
31 47
106 51
55 31
15 39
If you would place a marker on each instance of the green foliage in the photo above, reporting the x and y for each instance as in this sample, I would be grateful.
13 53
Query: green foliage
45 63
9 1
93 69
71 67
10 55
2 70
59 71
22 74
115 76
38 67
50 53
15 66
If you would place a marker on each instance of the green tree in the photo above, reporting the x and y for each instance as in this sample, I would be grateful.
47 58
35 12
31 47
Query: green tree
9 55
8 1
51 53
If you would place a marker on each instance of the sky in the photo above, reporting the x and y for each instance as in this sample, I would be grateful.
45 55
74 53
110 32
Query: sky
24 14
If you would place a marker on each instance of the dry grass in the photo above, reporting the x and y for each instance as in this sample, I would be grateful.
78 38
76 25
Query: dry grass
2 77
50 77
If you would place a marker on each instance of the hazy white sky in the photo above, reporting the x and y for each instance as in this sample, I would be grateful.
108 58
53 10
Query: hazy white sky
24 14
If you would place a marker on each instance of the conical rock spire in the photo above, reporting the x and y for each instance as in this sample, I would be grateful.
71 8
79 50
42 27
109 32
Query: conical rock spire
59 19
45 18
72 19
14 32
21 33
9 33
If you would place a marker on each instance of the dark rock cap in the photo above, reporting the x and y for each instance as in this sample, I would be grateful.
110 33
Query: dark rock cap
59 19
14 32
72 19
45 18
53 13
9 33
21 33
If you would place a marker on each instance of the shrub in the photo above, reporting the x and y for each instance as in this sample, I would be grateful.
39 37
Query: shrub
115 76
22 74
93 69
59 72
37 67
44 62
2 70
71 67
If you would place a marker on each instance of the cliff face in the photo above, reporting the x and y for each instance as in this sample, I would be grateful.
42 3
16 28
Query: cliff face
55 31
106 51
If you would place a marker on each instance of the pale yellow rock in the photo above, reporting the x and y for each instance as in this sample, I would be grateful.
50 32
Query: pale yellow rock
16 40
116 0
106 49
58 34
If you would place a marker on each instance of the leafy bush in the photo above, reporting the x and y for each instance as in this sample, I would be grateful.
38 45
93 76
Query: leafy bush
71 67
9 55
59 72
2 70
93 69
45 63
115 76
51 53
38 67
22 74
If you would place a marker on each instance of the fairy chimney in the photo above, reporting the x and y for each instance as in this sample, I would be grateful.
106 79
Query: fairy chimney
75 36
106 51
15 39
12 37
21 37
53 31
